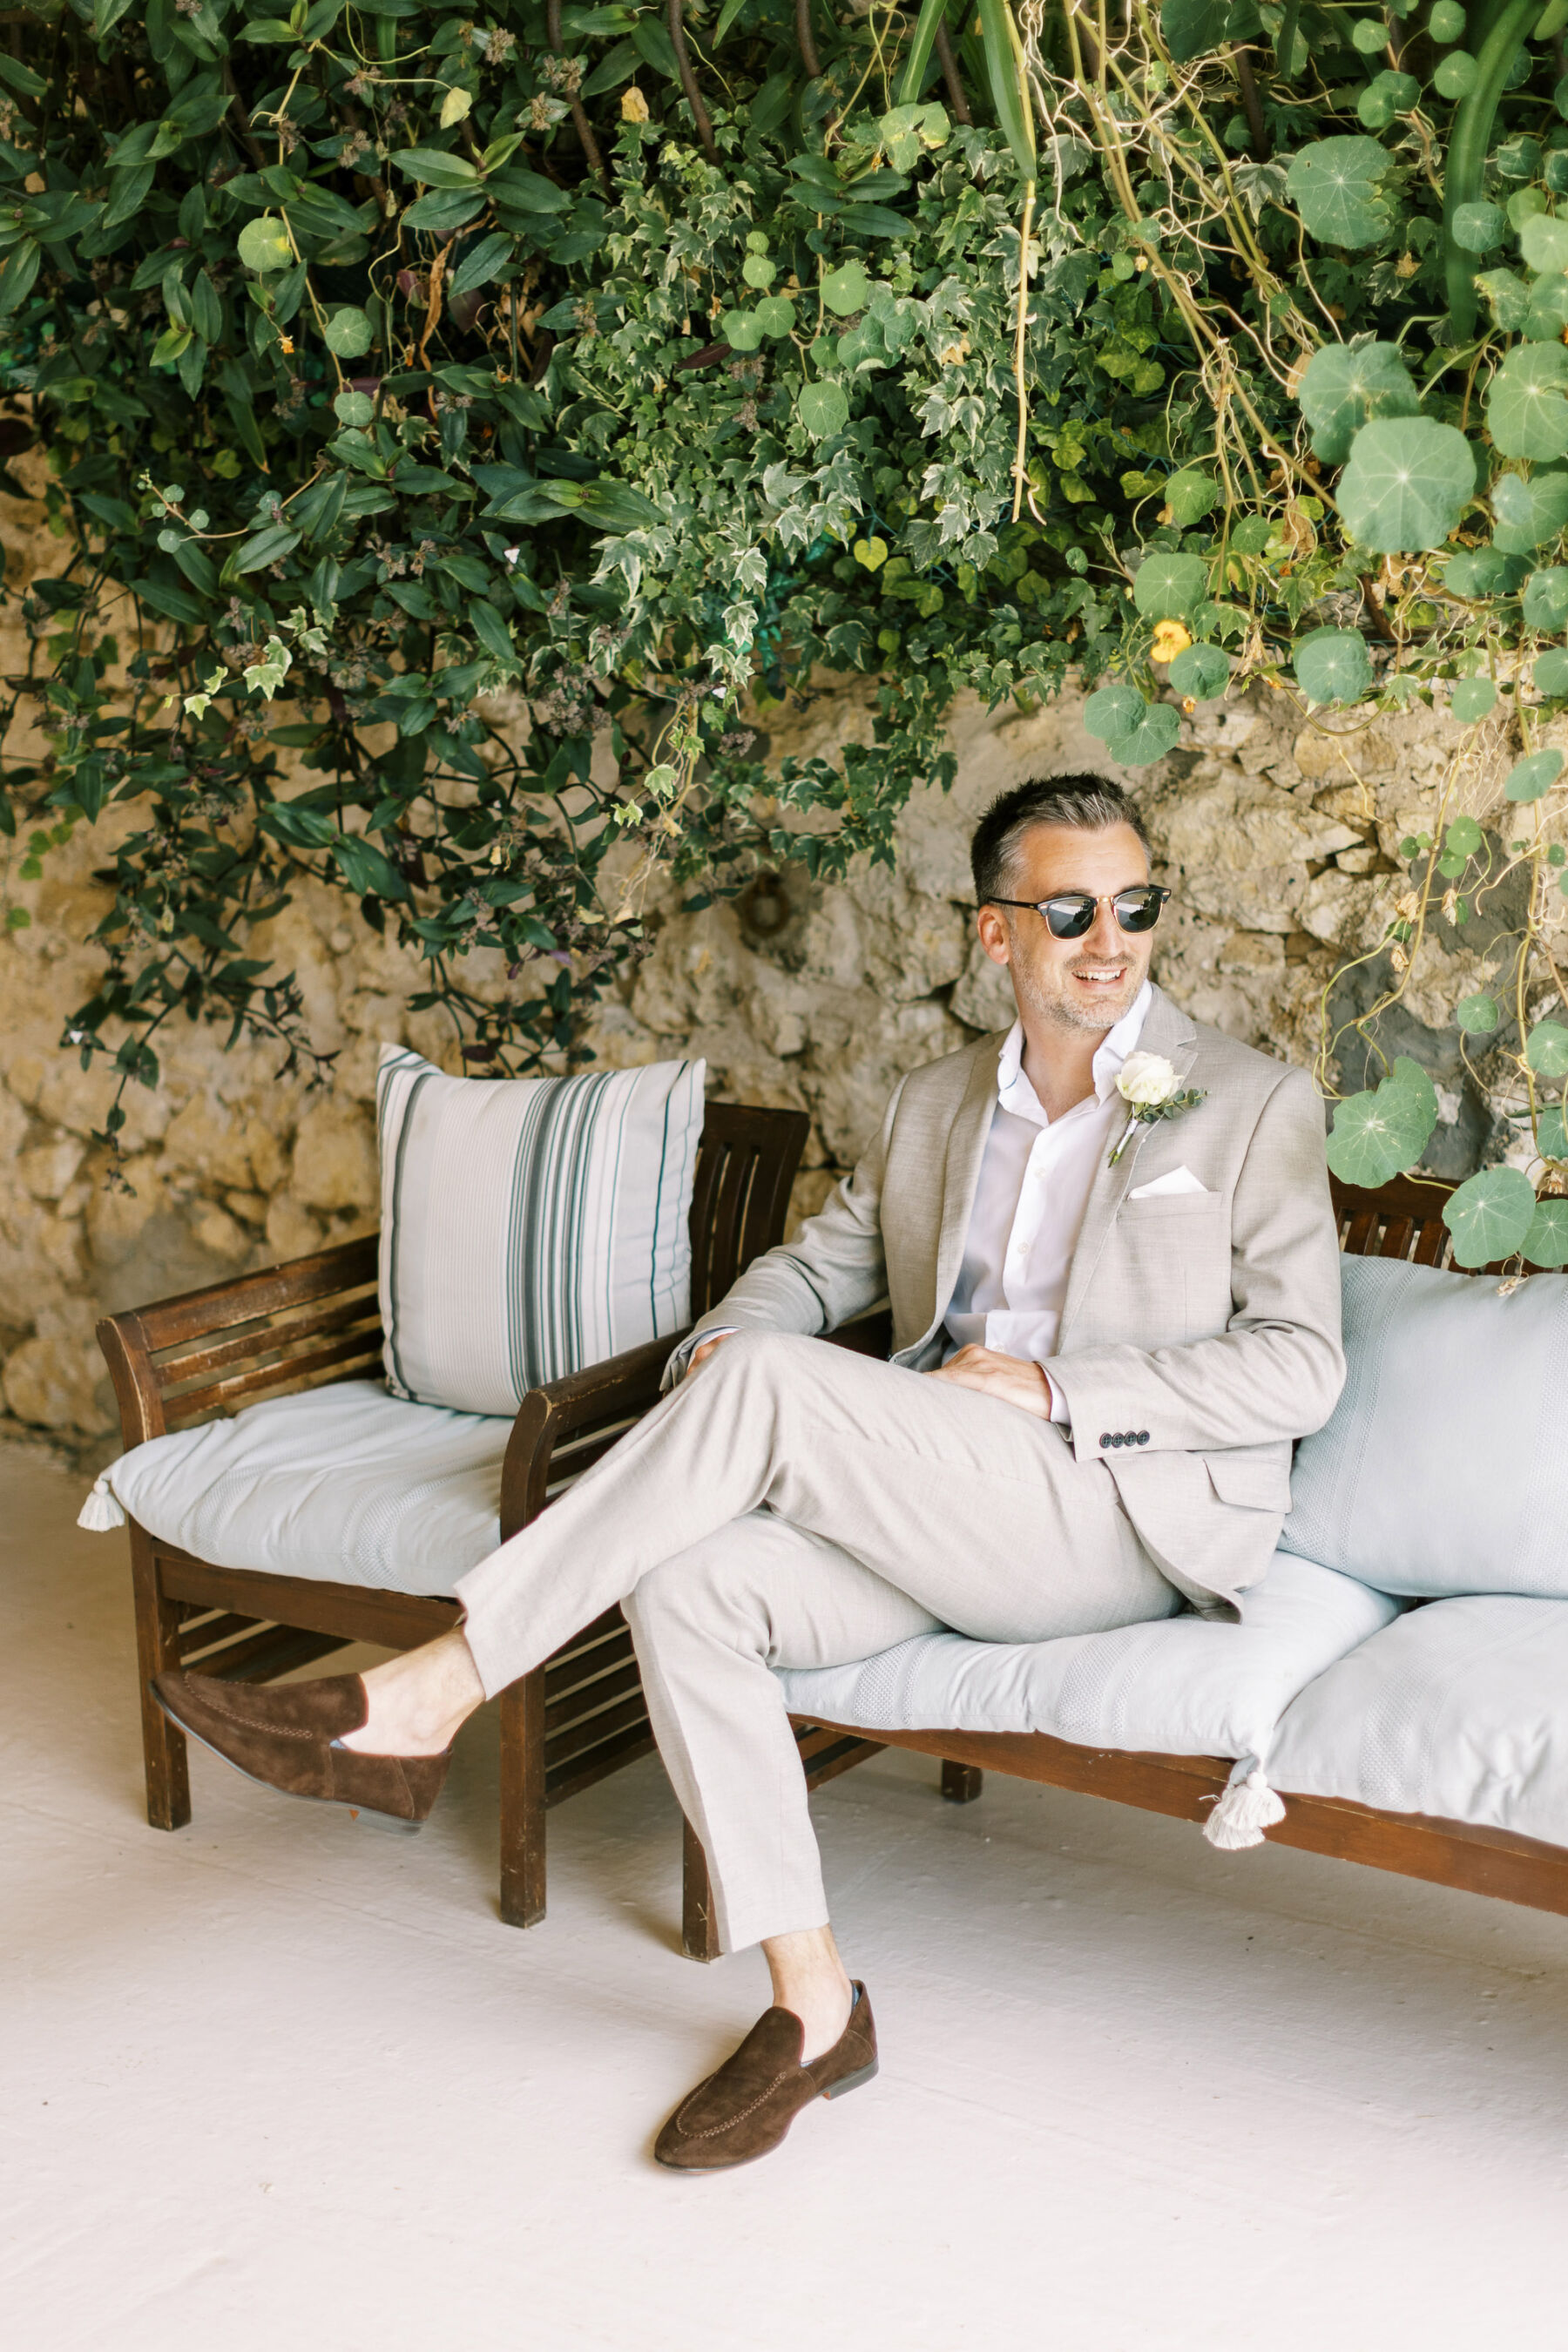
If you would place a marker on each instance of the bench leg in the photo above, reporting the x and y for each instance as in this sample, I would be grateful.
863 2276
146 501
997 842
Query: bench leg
698 1935
158 1650
960 1783
522 1858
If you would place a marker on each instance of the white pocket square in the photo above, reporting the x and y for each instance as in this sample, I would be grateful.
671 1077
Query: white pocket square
1176 1180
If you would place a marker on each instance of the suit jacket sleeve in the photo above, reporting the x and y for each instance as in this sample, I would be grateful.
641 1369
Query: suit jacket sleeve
1277 1372
833 1270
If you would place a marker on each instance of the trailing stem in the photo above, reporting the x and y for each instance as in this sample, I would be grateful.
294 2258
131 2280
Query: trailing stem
1020 333
688 80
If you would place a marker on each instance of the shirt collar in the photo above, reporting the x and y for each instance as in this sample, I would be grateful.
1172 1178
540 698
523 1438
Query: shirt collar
1014 1091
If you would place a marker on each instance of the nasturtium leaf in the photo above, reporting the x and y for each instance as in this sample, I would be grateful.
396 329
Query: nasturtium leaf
1509 296
774 314
264 245
1479 228
1530 512
846 289
1490 1215
1387 94
1546 1049
1532 778
1335 186
1251 535
1406 484
1190 27
758 270
1544 604
1369 33
1167 586
1548 312
347 332
1472 698
1150 739
1518 158
1447 22
1417 1082
823 409
1344 385
1455 77
1333 666
1464 837
1483 571
1477 1015
1379 1134
1551 673
353 408
1116 711
1546 1243
1551 1134
741 330
1200 671
1543 241
1190 495
1526 407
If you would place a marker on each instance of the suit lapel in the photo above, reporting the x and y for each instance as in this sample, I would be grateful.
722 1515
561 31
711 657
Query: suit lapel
1166 1031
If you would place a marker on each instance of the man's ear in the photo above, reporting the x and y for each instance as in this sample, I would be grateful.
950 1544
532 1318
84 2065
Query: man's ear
995 936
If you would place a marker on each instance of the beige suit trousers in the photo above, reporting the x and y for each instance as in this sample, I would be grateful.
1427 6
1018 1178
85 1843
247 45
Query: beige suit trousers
794 1504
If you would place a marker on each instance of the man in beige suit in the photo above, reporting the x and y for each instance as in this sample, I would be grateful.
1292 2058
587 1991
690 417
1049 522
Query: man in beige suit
1109 1247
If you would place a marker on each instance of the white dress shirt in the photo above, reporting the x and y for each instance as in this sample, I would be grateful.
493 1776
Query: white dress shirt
1035 1184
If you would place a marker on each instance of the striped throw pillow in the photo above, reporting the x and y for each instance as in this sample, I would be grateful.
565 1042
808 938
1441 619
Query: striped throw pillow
529 1226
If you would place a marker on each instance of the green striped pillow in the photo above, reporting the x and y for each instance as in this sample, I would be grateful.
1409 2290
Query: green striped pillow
529 1226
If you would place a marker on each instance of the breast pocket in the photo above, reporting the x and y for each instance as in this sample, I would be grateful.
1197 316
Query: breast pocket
1170 1255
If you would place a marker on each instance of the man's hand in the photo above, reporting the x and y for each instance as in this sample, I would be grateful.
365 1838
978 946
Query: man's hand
1014 1379
700 1355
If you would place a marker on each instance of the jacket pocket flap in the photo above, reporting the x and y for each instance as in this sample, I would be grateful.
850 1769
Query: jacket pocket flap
1244 1477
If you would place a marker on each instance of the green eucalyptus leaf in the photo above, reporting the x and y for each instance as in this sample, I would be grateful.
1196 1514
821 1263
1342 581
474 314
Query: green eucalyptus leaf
1490 1215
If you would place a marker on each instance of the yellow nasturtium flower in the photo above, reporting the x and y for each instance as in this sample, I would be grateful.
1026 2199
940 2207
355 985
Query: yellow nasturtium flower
1170 639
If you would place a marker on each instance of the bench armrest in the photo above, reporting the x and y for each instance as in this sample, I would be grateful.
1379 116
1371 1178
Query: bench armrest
564 1426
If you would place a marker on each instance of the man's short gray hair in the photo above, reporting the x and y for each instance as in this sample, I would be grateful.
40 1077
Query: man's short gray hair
1093 804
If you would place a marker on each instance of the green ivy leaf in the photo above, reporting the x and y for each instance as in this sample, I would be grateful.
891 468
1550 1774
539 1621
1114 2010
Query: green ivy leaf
1406 484
1117 710
1490 1215
1472 698
1477 1015
1531 779
1201 671
1546 1243
1333 666
1526 407
1166 587
1344 385
1546 1049
1336 186
823 409
1382 1132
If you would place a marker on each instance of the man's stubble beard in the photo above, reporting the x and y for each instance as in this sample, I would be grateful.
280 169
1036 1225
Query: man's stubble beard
1061 1012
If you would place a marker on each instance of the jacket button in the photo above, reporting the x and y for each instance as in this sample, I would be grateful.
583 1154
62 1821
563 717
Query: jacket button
1105 1439
1142 1437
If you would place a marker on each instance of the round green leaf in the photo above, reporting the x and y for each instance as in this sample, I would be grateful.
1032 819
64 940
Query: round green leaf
1482 571
1447 22
774 314
1526 407
1546 1049
1551 1135
1490 1215
758 270
1379 1134
1551 673
1545 600
1342 387
1530 512
263 245
1456 76
1478 227
1548 312
1518 158
1388 94
1116 711
1251 535
1464 837
353 408
1406 484
1150 740
1543 241
1201 671
1546 1243
741 330
1471 699
1190 495
347 332
1531 779
1369 33
846 289
1333 666
1167 586
1335 186
823 409
1477 1015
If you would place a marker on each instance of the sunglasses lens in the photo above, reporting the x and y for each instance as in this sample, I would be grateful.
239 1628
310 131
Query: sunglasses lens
1138 910
1068 918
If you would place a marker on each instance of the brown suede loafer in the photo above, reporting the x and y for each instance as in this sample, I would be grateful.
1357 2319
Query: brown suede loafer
744 2110
285 1736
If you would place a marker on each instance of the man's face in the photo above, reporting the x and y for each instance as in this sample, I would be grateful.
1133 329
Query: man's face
1083 983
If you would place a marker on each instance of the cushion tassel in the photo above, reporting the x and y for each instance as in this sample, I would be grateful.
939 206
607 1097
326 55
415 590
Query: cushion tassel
1248 1807
101 1511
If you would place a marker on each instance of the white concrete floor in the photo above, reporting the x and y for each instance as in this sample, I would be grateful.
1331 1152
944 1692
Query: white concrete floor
275 2081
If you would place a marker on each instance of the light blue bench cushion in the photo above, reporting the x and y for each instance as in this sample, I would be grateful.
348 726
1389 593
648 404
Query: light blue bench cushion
345 1483
1178 1687
1459 1710
1444 1468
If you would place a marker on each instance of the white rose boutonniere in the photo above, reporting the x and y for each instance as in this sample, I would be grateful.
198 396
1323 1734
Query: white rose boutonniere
1150 1088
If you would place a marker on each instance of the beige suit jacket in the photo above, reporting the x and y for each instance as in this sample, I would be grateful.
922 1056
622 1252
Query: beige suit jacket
1211 1323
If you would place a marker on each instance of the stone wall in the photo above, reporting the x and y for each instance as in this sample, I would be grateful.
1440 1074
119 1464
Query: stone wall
1279 841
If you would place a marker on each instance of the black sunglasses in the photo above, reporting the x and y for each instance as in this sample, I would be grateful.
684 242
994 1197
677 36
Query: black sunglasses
1070 913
